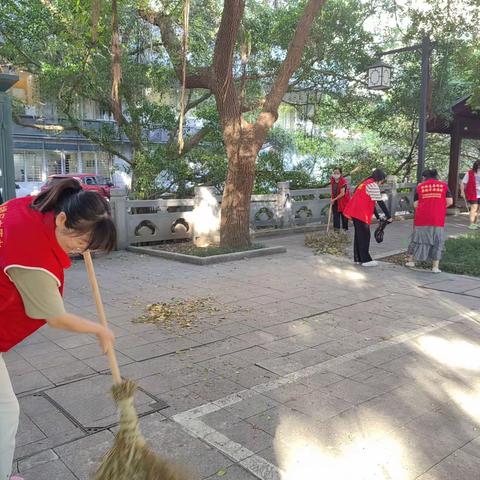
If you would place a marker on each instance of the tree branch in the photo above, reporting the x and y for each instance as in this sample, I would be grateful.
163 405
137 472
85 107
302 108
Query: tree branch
197 102
75 125
29 60
269 114
409 156
232 15
195 139
202 76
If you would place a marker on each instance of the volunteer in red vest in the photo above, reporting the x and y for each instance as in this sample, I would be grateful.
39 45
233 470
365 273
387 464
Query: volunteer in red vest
470 188
339 200
360 209
432 198
37 235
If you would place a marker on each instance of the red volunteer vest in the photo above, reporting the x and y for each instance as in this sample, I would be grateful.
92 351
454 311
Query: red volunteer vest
361 205
341 202
432 204
471 187
27 239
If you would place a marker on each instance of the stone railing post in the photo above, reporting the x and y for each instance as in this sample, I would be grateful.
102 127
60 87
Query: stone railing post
284 205
392 198
118 204
206 217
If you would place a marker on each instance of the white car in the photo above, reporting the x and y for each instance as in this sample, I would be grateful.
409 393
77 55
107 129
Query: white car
26 190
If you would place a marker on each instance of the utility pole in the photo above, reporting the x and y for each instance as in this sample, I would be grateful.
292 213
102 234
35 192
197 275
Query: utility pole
7 169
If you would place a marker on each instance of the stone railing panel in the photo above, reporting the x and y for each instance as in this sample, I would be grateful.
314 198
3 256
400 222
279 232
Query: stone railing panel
198 218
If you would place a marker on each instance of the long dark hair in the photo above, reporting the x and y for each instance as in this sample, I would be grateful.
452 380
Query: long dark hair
86 212
378 175
476 166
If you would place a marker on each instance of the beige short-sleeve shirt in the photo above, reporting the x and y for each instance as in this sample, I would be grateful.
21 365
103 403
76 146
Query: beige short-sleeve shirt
39 292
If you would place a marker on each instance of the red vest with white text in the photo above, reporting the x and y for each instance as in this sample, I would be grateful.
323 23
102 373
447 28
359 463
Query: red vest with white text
27 239
361 205
432 204
471 187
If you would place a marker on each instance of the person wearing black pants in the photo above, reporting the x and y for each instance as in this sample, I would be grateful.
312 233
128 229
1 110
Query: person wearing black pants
338 218
340 195
360 209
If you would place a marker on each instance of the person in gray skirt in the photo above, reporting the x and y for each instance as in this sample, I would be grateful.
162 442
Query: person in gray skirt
432 198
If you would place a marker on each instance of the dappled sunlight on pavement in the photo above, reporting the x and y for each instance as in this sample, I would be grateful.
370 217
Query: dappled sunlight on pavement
303 455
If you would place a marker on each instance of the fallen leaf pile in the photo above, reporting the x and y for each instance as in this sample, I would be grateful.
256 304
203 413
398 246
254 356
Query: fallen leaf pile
178 312
401 258
332 243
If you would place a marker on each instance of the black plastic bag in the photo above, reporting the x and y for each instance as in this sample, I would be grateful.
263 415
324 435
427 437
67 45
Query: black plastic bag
379 230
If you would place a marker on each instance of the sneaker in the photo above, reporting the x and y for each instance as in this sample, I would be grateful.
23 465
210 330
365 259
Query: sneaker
357 263
436 270
473 226
410 264
372 263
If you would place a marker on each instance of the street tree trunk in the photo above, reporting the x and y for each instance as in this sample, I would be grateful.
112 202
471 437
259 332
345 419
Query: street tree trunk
242 140
242 154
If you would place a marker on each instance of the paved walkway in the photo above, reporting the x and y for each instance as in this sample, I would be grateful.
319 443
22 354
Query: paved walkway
310 368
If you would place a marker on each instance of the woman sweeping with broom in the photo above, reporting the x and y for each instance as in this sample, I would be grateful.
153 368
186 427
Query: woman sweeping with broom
37 235
340 195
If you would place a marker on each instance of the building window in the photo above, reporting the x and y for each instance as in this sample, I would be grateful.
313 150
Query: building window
104 164
71 162
28 166
88 161
19 163
54 162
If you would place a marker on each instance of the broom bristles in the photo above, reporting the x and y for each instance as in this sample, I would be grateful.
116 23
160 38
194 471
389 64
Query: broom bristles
130 458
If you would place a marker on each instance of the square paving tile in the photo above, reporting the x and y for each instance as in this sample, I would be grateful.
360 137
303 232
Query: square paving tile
89 403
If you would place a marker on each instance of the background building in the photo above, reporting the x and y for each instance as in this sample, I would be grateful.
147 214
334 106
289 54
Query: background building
42 147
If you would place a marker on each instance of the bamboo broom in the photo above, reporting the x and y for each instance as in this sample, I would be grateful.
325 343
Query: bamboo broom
129 458
329 218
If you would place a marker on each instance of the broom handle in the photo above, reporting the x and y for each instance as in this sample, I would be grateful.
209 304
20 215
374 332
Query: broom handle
329 218
112 359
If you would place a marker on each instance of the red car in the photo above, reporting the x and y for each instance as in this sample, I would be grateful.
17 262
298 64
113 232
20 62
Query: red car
88 181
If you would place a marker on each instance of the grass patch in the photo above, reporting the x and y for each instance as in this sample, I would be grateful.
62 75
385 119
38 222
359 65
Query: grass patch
188 248
332 243
461 256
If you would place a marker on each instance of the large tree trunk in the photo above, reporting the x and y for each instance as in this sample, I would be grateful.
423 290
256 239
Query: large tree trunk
242 149
242 140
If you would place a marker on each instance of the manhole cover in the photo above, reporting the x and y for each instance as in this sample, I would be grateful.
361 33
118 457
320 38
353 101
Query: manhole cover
89 404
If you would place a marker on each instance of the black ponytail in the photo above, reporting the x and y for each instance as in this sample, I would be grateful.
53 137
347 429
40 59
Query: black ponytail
85 211
476 166
56 194
378 175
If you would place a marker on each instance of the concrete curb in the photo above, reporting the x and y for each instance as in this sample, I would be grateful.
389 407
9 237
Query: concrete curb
308 228
226 257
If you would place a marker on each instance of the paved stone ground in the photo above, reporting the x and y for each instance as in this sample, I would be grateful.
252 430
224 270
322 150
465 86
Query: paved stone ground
311 368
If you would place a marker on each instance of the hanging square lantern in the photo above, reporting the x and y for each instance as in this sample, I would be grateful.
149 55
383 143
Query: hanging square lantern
379 76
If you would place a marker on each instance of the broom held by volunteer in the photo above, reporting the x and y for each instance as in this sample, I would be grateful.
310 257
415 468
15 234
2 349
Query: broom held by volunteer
470 188
360 209
340 196
37 235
